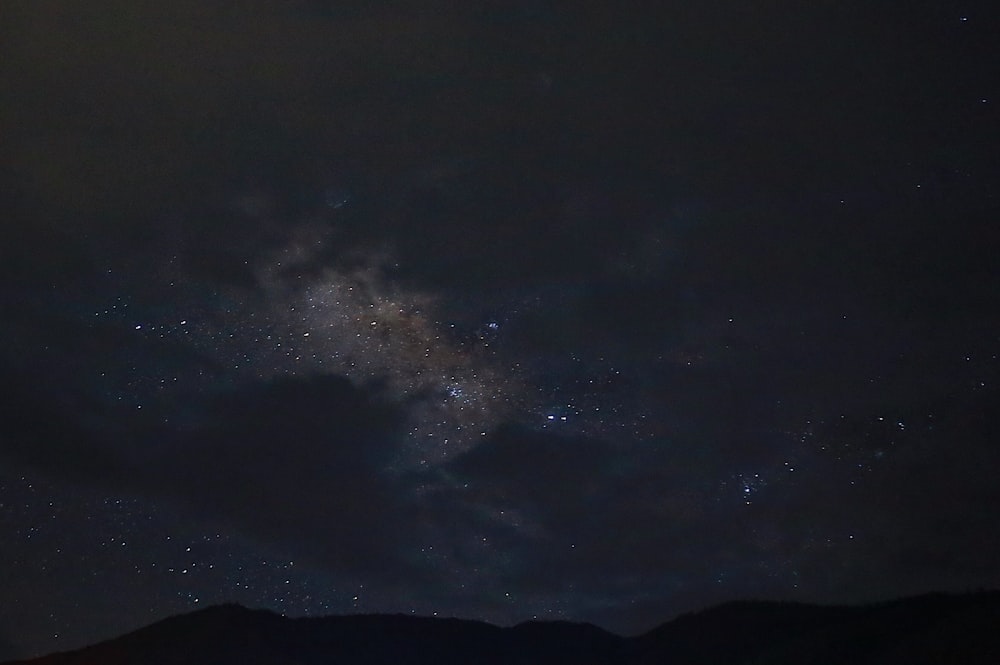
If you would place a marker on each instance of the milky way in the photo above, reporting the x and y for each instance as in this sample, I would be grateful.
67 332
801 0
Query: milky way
350 319
315 307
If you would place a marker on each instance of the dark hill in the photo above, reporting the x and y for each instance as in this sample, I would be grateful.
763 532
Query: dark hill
931 629
231 634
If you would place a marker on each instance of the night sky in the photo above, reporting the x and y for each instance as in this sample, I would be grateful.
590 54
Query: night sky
601 311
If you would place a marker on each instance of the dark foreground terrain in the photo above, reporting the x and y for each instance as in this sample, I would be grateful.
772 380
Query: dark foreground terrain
927 629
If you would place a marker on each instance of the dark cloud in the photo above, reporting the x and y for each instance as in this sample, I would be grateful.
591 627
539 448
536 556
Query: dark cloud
290 461
566 508
296 461
40 433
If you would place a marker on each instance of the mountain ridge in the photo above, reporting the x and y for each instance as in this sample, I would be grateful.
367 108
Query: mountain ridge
931 629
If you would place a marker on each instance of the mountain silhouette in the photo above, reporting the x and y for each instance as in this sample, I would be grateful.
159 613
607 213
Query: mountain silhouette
931 629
